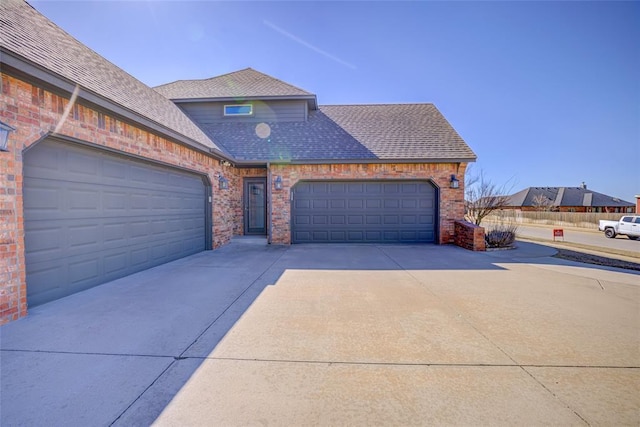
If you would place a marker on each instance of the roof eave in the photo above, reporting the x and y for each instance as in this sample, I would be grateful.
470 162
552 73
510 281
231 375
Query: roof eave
350 161
40 75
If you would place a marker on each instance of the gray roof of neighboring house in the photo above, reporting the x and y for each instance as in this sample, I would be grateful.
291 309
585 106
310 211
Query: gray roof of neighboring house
349 132
565 196
247 83
34 38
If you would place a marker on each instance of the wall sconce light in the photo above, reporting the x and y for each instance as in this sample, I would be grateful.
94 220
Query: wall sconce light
454 183
5 130
223 183
277 183
225 163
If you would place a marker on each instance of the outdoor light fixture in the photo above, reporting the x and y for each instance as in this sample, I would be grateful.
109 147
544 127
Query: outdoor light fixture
5 129
278 183
454 183
223 183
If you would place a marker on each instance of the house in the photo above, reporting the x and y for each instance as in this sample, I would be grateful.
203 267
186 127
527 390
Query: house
566 199
104 176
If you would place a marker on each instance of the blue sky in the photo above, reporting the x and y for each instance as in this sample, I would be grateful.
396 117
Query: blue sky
545 93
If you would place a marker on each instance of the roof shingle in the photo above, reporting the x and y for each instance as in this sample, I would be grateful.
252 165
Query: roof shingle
565 196
247 83
401 131
348 132
30 35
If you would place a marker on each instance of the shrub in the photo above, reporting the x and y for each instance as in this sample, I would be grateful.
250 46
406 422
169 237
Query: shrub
501 235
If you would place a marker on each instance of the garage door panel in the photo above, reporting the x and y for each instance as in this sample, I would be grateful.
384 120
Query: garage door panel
108 217
364 211
46 197
115 263
338 219
355 203
85 237
83 271
355 219
373 219
320 220
409 220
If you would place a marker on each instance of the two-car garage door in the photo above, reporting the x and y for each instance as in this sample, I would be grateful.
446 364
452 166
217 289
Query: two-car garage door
92 216
364 212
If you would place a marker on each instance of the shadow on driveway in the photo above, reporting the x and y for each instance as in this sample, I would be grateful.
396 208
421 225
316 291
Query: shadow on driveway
120 352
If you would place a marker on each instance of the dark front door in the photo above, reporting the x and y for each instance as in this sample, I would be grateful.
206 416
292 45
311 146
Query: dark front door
255 206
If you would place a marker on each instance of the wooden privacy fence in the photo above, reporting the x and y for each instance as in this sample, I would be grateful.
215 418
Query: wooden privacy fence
566 219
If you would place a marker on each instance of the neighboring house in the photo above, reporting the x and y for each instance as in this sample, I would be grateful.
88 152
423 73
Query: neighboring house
104 176
566 199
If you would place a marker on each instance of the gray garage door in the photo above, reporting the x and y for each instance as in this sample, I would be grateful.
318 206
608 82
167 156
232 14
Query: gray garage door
92 216
364 211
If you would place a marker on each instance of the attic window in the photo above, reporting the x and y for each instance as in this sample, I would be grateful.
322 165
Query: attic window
238 110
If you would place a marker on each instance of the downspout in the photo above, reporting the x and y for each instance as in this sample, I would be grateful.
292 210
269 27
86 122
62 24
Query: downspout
269 203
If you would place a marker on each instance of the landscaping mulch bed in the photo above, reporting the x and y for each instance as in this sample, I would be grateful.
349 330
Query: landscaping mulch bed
596 259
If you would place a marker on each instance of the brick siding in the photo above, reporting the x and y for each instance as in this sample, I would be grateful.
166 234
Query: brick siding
469 236
34 111
451 200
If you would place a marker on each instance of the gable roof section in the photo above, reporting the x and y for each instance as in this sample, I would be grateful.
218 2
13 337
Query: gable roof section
247 84
566 196
401 131
33 38
369 133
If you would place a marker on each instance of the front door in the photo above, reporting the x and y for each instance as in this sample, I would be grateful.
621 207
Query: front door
255 206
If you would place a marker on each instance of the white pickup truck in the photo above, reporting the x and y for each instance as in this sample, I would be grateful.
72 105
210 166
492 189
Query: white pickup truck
627 226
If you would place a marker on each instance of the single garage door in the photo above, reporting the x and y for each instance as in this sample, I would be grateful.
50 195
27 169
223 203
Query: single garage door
92 216
364 212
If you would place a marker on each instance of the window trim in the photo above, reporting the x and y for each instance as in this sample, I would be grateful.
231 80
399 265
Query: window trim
224 110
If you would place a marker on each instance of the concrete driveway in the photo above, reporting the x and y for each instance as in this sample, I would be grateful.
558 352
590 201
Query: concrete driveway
252 334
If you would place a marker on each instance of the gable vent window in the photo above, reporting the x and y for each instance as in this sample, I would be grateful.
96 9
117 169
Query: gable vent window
238 110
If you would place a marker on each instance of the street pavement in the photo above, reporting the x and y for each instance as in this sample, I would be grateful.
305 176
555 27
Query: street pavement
252 334
582 237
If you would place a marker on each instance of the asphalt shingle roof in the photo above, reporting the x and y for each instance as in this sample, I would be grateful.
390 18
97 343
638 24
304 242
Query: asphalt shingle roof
30 35
566 196
317 138
334 132
247 83
401 131
349 132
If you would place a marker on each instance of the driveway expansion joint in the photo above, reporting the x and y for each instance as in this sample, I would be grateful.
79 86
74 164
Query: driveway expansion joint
436 364
555 396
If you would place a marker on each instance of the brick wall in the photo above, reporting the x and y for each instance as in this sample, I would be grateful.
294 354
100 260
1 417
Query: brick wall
451 200
34 111
469 236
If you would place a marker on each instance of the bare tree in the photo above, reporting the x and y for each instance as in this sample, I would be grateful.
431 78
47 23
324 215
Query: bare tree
542 202
482 197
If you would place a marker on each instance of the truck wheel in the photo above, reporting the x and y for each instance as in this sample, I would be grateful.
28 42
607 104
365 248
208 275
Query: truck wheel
610 233
633 237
